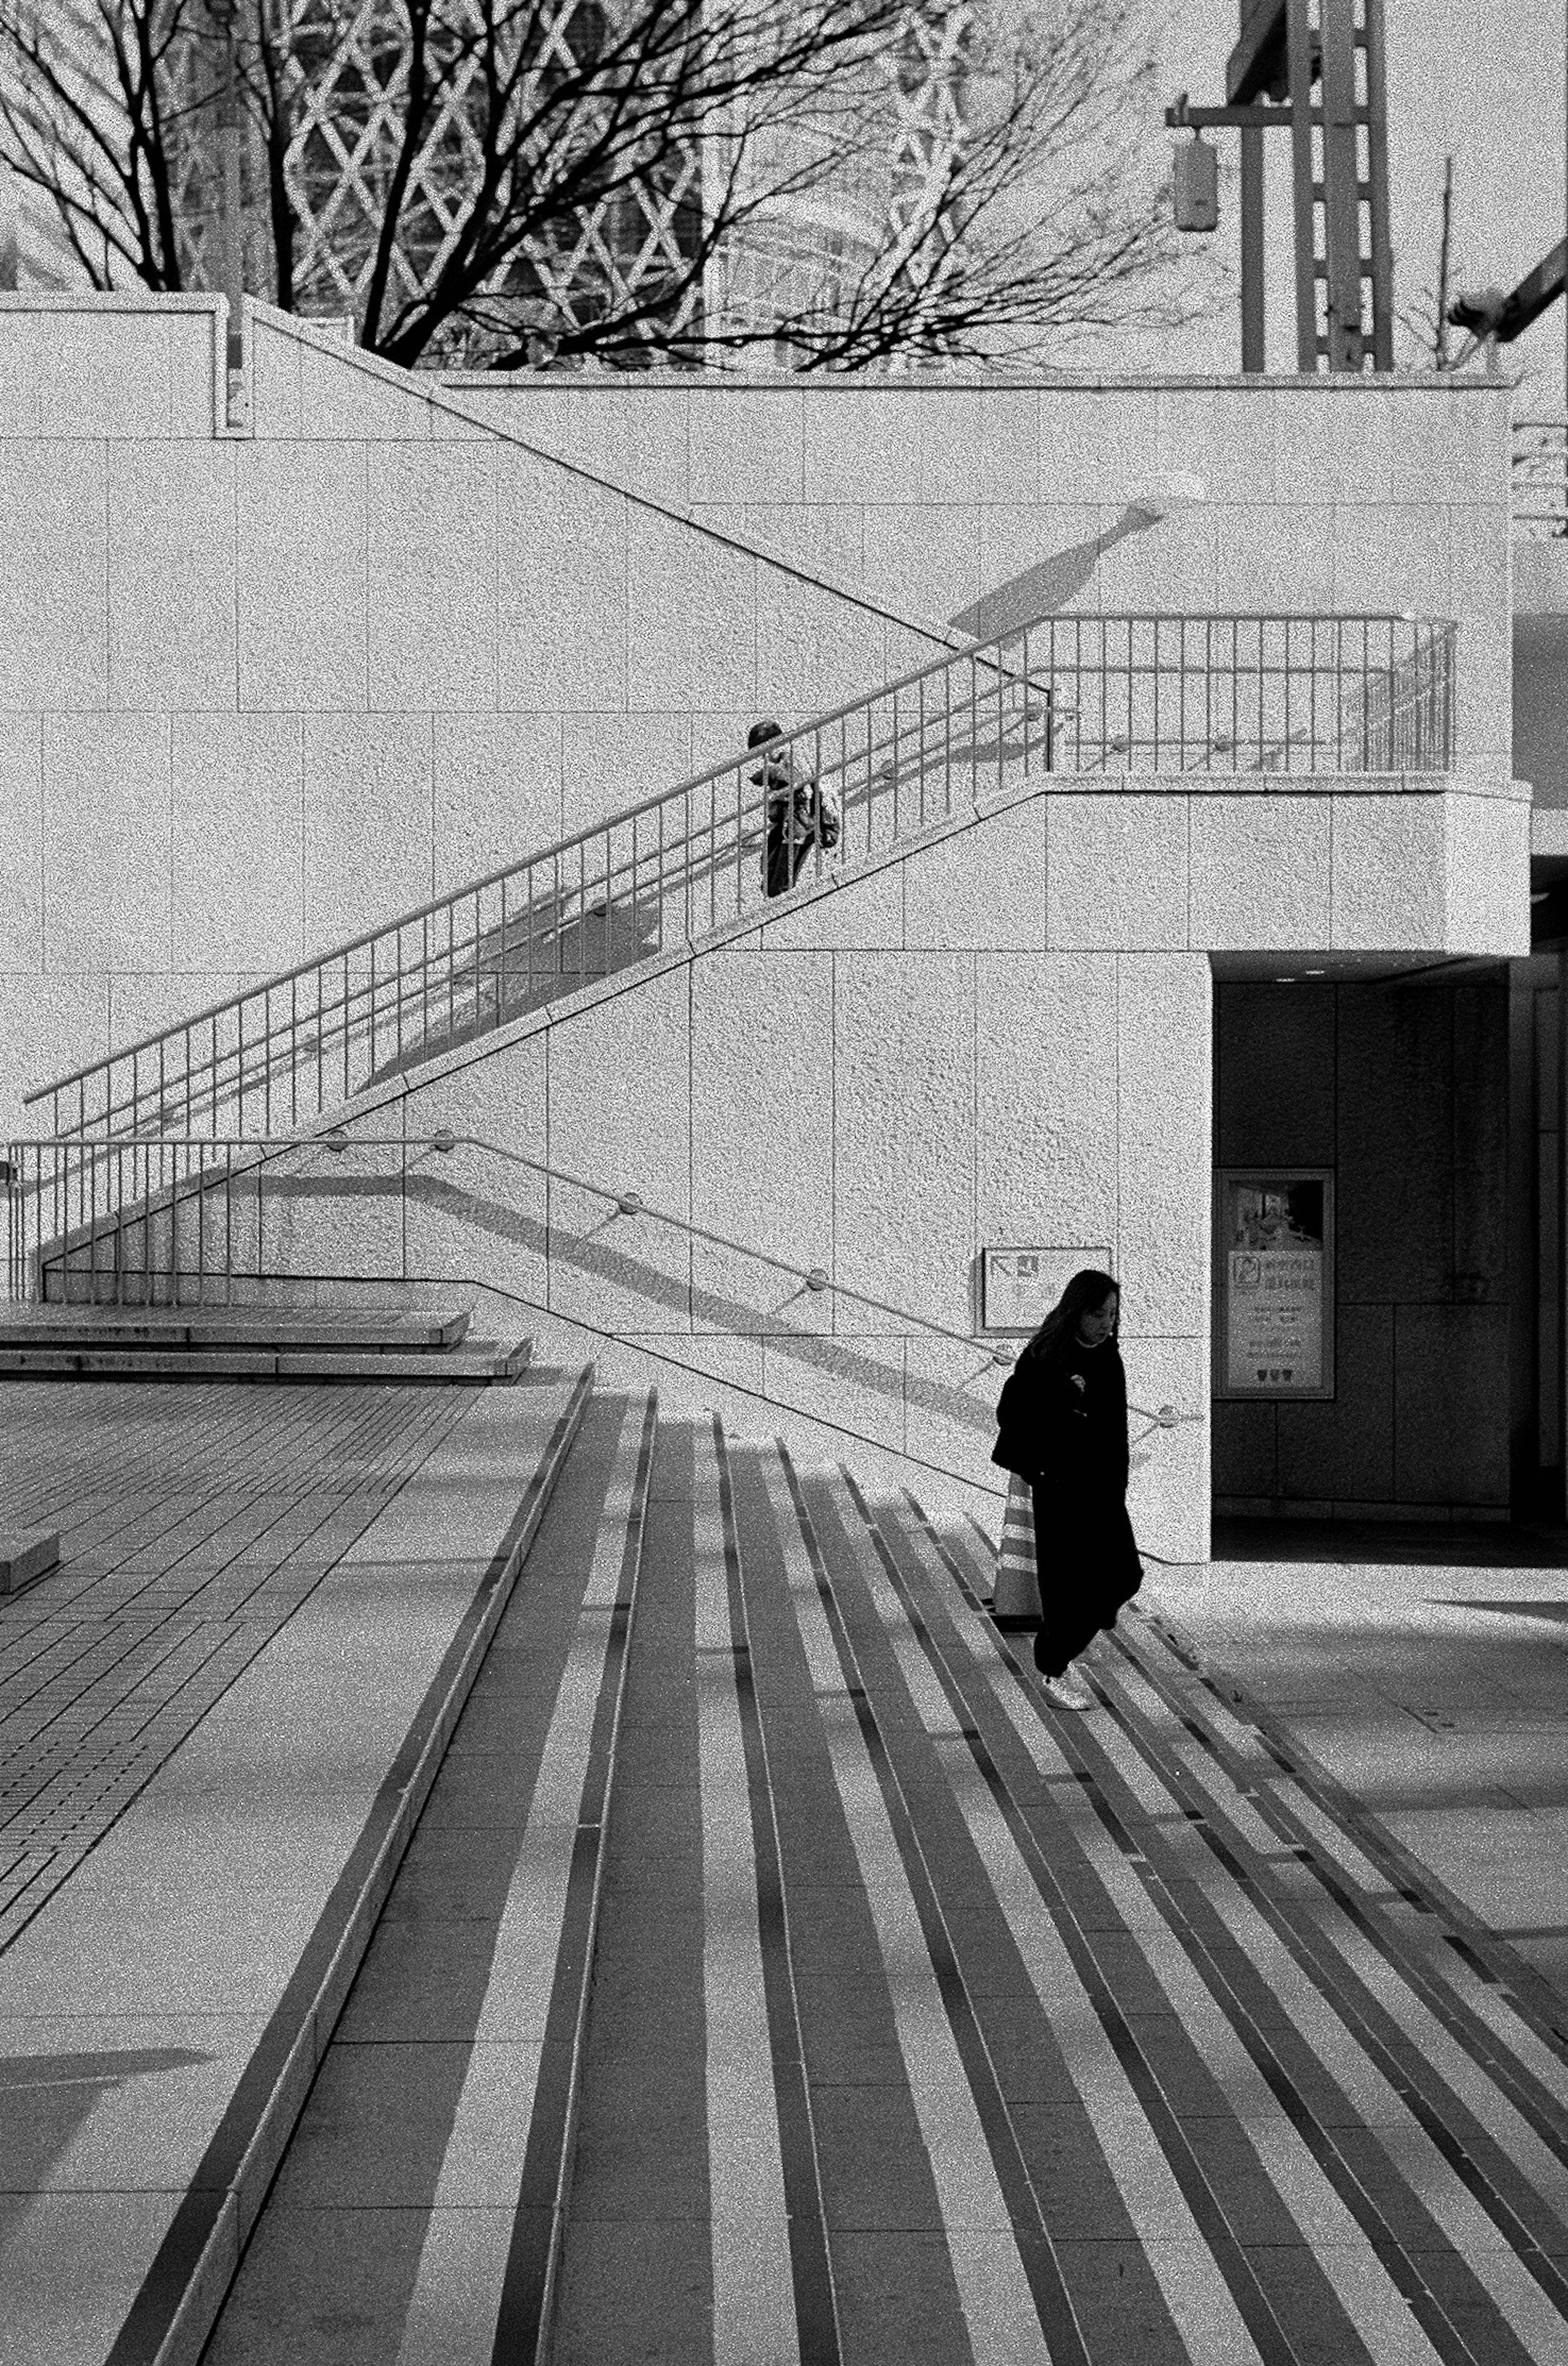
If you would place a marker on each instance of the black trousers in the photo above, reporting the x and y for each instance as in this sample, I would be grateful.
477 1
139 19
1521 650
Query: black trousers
781 871
1088 1567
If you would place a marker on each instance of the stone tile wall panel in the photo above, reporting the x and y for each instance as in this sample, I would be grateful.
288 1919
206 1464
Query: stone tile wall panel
980 448
761 456
609 761
55 1023
762 1135
368 823
1389 878
22 832
1487 848
54 532
983 892
855 1380
950 1392
561 599
107 842
865 915
620 1101
923 558
1117 872
691 618
1045 1093
1164 1140
433 578
239 795
172 576
301 582
1169 1488
1095 450
904 1130
1226 437
496 790
1261 872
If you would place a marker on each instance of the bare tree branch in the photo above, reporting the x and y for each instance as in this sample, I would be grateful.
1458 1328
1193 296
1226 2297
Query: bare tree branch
835 183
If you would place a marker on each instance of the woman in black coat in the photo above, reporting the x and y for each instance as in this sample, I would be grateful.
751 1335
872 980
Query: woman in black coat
1063 1424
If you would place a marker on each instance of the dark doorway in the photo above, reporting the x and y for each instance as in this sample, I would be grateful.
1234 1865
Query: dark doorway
1404 1089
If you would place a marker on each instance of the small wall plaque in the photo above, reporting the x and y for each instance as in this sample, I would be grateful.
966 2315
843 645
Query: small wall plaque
1020 1286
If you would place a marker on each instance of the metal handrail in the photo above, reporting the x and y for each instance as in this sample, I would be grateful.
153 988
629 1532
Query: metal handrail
245 1153
1083 693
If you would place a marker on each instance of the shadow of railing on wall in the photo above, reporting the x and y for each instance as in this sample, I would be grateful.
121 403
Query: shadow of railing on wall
196 1221
1091 696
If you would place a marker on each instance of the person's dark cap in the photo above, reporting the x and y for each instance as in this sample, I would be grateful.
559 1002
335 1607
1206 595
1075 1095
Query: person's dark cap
762 731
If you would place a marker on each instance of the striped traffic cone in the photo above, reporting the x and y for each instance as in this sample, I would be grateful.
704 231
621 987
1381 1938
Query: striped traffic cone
1015 1601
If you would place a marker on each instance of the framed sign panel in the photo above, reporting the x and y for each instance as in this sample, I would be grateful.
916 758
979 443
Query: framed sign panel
1019 1286
1274 1281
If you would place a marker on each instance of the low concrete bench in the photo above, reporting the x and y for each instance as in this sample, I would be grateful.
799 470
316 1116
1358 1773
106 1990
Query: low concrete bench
26 1554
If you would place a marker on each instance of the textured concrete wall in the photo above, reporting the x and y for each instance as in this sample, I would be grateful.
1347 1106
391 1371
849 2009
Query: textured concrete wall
880 1082
1366 496
881 1111
259 689
1403 1091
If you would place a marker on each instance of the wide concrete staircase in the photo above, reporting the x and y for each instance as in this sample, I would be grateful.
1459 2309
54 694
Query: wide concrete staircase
623 1900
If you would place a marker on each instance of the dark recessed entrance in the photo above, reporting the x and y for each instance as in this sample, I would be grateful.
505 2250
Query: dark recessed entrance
1400 1086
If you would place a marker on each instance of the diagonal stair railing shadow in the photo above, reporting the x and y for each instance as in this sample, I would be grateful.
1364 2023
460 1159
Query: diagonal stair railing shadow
198 1221
1087 695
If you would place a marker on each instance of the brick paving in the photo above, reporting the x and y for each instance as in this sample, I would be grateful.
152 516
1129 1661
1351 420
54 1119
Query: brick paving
193 1522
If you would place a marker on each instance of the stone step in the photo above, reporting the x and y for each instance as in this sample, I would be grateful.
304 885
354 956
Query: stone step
454 2067
319 1331
26 1555
474 1364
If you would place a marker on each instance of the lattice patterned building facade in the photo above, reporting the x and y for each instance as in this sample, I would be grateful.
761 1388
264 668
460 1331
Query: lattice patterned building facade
818 211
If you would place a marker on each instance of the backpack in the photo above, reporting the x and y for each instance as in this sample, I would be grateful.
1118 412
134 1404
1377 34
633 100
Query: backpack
830 819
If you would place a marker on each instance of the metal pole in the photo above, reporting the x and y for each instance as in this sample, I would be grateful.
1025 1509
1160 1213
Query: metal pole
230 257
1377 191
1252 248
1299 45
1341 184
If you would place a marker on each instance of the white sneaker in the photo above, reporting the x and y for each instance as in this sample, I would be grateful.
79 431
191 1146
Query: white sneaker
1064 1692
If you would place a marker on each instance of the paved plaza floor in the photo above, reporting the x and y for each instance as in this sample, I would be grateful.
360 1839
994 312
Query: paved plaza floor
501 1874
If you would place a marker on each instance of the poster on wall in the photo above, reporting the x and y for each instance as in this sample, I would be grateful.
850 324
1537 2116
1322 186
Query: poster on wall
1274 1282
1020 1286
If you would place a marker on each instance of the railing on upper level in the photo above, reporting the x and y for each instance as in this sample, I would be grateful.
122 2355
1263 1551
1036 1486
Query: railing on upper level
1540 478
1087 695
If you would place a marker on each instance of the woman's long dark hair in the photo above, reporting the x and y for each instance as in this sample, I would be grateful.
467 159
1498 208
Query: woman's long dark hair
1085 1294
